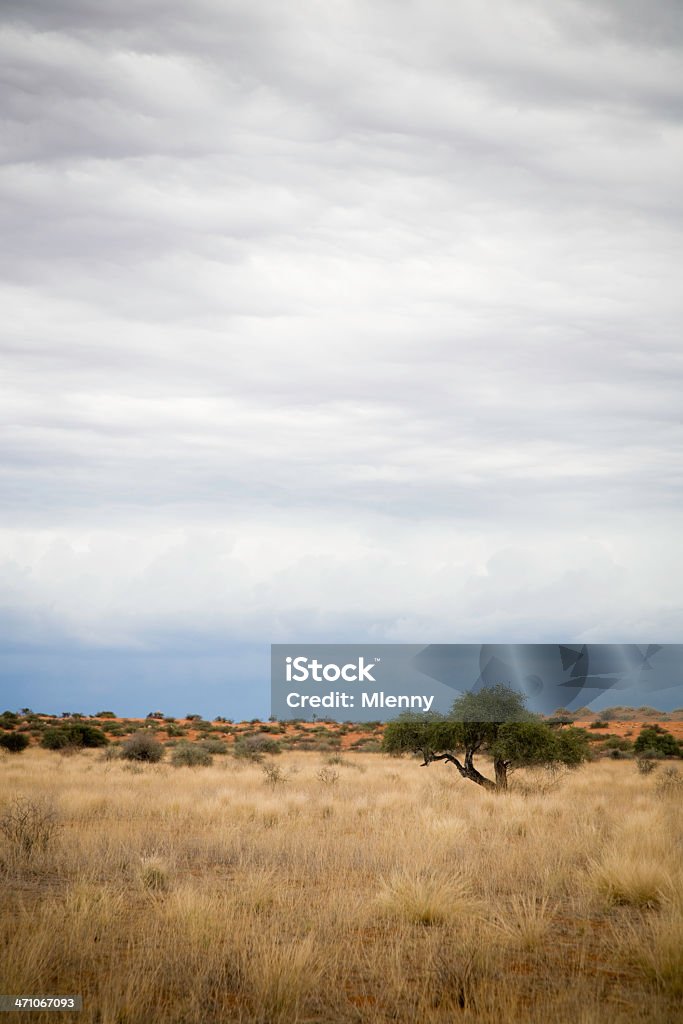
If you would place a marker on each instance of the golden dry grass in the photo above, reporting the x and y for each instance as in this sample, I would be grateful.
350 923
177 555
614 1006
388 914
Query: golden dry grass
398 893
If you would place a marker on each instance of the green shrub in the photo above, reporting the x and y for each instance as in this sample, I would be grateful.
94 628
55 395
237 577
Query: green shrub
265 744
75 735
202 726
14 742
558 720
176 730
142 747
367 746
213 746
657 739
254 748
617 743
54 739
190 755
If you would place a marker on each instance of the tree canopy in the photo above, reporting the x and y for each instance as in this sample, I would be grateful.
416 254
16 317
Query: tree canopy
493 720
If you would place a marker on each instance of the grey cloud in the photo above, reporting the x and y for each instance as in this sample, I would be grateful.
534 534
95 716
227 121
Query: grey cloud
407 260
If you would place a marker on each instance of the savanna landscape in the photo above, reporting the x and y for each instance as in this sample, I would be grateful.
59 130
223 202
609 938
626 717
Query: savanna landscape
338 885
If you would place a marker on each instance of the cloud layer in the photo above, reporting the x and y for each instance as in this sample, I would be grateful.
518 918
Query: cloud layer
341 321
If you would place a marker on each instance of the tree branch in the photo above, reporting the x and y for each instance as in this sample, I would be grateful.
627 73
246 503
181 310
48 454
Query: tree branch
467 770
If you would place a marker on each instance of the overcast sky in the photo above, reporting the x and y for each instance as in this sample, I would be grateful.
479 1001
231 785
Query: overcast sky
333 321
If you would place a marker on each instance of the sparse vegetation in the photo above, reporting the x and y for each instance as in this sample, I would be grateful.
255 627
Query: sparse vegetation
389 895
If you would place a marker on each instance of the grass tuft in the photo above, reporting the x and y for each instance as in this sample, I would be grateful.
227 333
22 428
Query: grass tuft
427 897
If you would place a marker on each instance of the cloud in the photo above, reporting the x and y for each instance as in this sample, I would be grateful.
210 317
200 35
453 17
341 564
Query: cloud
386 295
314 576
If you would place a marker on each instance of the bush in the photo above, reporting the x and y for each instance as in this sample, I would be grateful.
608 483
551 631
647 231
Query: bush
176 730
599 725
142 747
557 720
213 746
254 748
645 765
75 735
191 755
367 746
657 739
274 775
328 776
670 782
29 825
14 742
617 743
105 714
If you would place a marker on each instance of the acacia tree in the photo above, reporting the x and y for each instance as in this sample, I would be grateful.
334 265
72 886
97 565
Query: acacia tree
493 720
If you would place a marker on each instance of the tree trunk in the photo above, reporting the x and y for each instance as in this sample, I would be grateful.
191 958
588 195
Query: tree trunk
501 773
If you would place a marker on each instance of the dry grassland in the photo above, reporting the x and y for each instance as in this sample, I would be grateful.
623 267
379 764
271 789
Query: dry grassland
372 891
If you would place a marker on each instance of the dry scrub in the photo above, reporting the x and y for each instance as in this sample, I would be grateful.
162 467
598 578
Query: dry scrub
392 893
